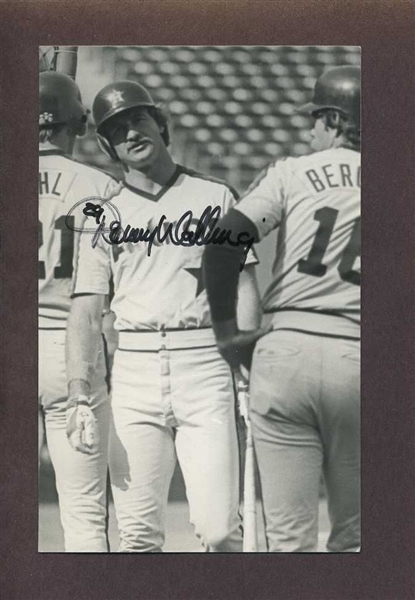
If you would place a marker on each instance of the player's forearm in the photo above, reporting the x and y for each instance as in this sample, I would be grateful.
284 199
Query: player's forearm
222 267
83 342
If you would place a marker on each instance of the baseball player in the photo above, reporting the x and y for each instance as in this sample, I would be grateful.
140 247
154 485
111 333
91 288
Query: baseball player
63 183
172 392
305 390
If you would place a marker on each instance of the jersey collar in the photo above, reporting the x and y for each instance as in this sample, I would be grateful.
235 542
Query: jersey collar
52 152
155 197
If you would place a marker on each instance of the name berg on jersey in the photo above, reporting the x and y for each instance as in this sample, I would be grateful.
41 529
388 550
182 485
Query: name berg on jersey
334 176
177 232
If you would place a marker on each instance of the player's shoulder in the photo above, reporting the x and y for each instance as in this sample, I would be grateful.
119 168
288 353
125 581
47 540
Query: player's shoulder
92 171
59 159
94 181
331 155
208 180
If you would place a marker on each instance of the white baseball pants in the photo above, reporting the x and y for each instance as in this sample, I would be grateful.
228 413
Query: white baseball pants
172 394
305 413
81 479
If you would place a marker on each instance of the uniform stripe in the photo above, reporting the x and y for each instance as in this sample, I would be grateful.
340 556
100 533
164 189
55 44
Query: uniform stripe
318 333
168 349
54 152
52 307
331 313
140 331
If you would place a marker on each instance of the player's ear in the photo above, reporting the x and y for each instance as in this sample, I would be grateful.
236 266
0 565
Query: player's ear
161 120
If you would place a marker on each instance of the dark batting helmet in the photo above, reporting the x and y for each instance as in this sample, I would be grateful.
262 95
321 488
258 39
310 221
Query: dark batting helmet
338 89
116 98
60 102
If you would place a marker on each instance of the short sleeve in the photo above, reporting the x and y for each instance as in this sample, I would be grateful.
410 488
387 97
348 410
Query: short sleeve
263 201
231 201
93 266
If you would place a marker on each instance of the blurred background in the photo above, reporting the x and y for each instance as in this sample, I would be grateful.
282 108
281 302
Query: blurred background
231 108
231 111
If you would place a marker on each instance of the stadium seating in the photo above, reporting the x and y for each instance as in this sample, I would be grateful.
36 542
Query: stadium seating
232 109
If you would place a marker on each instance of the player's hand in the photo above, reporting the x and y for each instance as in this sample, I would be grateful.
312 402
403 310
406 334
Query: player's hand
80 424
238 347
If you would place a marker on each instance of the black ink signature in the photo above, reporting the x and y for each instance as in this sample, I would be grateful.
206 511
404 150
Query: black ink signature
94 207
93 210
177 233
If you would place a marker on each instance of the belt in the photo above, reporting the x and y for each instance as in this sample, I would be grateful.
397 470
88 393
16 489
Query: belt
315 322
154 341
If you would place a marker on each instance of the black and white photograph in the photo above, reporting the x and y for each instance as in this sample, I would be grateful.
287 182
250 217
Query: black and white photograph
199 299
181 254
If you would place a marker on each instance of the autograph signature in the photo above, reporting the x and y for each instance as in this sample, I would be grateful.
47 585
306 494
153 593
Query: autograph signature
178 233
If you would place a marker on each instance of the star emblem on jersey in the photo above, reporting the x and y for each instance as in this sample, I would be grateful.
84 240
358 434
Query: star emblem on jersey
198 274
45 118
115 97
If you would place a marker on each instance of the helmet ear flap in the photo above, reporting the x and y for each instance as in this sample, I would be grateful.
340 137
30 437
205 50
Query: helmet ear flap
333 119
106 147
82 124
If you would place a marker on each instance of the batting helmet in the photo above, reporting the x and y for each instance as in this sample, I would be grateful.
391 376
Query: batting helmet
338 89
60 102
114 99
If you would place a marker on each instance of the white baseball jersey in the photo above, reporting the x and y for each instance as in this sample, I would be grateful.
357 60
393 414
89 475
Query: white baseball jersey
315 202
156 285
81 479
63 184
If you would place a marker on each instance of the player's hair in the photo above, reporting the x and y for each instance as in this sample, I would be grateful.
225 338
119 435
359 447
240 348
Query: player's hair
157 113
160 118
48 132
336 120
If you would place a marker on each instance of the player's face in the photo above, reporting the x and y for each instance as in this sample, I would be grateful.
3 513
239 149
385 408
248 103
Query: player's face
136 138
321 136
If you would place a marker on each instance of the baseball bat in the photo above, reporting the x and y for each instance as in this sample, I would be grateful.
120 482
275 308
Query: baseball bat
67 60
250 539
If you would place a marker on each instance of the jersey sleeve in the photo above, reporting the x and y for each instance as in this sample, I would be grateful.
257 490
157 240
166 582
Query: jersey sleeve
231 201
92 272
263 201
231 197
93 268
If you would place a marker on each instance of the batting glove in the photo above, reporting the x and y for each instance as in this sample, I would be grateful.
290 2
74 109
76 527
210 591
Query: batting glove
80 424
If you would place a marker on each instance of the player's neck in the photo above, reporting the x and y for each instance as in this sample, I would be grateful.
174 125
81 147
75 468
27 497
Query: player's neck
339 142
151 180
61 143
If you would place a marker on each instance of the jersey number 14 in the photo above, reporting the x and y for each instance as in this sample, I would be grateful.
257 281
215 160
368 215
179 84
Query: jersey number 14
313 264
